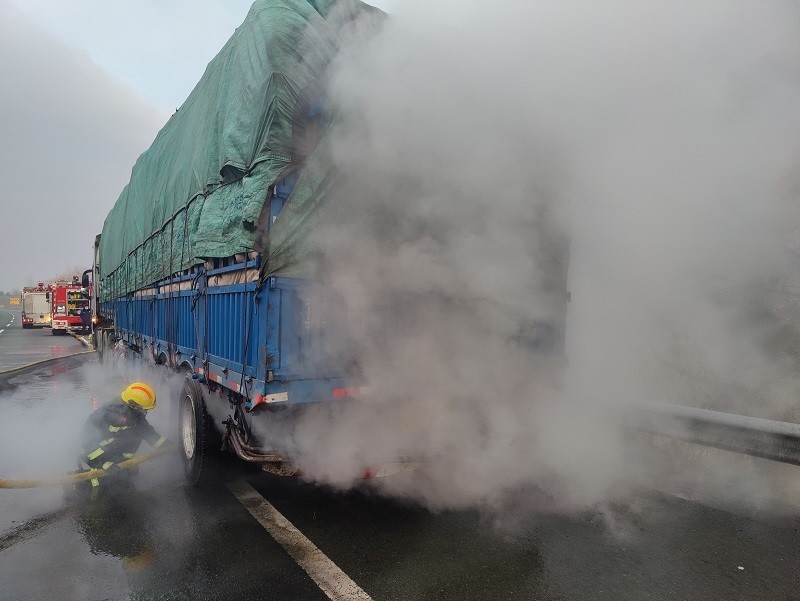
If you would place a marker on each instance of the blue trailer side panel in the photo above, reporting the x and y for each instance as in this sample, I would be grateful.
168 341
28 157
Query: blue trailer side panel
233 326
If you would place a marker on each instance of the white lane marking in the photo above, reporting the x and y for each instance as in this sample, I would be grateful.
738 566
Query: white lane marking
329 577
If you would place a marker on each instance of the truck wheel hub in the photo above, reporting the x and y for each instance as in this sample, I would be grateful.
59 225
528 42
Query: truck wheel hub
188 428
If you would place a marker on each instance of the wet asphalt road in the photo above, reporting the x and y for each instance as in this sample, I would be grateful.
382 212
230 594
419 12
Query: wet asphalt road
19 346
163 540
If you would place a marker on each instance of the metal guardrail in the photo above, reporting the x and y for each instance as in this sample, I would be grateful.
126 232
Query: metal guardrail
768 439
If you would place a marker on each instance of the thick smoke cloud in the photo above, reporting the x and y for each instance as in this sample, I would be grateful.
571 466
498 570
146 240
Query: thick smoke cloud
475 139
70 135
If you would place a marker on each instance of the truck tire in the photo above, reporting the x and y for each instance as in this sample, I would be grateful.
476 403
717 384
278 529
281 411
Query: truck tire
199 441
104 344
98 343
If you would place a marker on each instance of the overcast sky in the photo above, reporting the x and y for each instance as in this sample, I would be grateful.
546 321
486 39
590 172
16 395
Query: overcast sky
87 84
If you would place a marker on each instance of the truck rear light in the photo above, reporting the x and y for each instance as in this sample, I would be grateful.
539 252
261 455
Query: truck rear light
261 399
341 393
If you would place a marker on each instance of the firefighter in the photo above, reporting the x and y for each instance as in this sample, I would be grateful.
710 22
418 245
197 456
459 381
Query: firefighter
86 320
114 431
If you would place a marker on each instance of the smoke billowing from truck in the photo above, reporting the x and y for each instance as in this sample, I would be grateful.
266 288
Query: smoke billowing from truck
479 146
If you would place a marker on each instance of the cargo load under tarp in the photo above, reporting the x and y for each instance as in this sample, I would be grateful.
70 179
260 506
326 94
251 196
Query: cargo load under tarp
200 190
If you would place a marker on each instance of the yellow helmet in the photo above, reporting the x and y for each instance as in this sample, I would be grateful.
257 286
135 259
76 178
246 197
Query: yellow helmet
141 394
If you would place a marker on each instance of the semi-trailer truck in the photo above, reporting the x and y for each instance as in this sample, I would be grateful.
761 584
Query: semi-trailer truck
202 266
182 273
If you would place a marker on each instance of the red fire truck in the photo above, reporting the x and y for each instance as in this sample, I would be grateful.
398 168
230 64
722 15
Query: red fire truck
70 307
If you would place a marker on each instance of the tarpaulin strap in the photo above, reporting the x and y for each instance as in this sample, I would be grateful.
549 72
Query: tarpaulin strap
107 464
107 441
117 428
95 454
159 442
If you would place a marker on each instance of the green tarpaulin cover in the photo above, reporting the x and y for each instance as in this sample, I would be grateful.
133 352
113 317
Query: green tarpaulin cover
201 189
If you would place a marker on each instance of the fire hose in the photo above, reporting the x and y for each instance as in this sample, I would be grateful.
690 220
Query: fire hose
80 476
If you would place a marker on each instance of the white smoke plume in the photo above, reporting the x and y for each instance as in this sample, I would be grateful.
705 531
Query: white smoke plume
659 138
